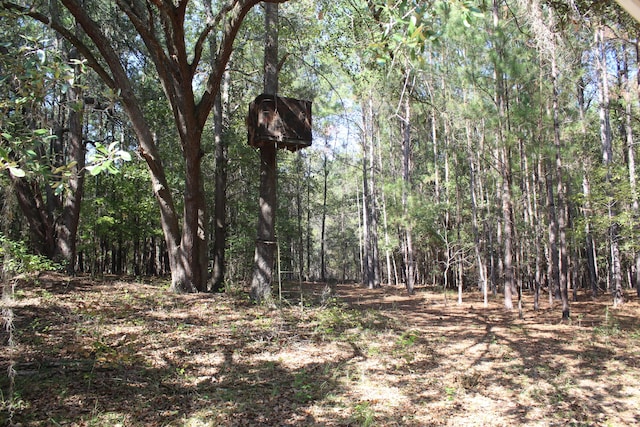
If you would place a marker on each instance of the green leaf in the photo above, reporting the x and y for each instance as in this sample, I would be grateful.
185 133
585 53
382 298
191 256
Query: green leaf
95 170
58 189
124 155
17 172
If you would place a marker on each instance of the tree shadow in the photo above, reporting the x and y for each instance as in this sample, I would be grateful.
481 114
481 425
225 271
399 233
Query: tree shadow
536 360
109 352
70 372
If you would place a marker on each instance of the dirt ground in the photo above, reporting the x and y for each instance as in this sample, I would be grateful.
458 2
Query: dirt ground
111 352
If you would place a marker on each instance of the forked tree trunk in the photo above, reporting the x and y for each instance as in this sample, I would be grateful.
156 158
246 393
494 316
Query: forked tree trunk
176 69
53 220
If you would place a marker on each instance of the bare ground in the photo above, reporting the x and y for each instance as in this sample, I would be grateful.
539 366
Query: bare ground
111 352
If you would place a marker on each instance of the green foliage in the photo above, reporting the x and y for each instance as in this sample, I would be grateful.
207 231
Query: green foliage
411 27
106 159
16 258
408 339
363 414
35 75
30 72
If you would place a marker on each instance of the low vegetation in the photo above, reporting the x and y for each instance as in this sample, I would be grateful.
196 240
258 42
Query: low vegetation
112 352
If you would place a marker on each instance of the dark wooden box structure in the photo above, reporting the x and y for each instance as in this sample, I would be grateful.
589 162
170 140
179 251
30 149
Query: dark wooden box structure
285 122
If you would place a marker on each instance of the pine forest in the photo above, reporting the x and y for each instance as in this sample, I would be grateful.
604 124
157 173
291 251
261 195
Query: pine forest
314 213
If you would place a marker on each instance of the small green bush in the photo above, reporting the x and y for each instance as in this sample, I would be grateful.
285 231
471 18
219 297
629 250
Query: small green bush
15 258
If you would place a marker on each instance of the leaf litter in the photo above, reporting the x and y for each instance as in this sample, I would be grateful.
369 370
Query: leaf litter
109 352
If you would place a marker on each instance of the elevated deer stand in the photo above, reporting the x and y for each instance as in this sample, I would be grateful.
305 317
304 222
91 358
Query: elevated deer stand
285 122
273 122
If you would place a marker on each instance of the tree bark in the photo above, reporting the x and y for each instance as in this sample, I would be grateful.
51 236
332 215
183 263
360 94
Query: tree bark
590 250
216 282
266 243
325 173
220 201
606 139
406 185
482 280
67 228
371 278
562 211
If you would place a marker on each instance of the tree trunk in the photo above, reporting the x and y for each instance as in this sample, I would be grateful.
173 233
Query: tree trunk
266 244
631 157
32 206
391 279
216 281
67 225
300 242
325 173
220 201
606 139
590 250
371 278
561 211
406 185
373 212
482 280
67 228
176 69
507 218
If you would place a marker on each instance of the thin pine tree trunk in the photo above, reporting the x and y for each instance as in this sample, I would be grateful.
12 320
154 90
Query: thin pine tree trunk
561 210
266 244
615 274
323 267
406 156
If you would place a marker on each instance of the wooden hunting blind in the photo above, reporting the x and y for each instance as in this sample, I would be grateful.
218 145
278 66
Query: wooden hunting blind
285 122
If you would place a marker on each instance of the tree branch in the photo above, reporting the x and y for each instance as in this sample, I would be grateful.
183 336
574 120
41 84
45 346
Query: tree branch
233 13
146 29
57 26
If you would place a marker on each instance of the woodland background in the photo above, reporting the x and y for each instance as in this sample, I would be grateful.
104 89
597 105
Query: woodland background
469 158
485 145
